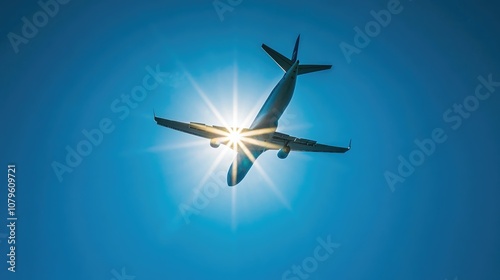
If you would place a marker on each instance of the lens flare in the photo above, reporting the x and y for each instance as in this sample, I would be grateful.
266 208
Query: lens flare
238 139
234 136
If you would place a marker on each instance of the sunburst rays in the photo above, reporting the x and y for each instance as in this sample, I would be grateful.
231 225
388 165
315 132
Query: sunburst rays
235 137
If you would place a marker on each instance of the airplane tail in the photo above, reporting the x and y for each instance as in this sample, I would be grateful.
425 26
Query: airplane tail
285 63
295 50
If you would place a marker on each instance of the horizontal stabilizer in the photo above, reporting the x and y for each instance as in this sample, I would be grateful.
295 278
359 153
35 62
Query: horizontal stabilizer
308 68
280 59
286 63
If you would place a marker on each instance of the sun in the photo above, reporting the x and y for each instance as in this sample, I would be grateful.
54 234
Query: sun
234 136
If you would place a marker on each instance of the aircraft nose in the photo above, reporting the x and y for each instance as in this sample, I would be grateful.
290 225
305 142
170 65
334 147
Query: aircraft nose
233 180
242 163
230 181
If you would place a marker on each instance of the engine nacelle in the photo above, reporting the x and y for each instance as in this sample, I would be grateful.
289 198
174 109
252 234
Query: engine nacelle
214 143
284 152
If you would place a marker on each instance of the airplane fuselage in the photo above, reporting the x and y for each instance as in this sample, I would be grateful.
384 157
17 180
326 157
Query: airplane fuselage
267 118
277 101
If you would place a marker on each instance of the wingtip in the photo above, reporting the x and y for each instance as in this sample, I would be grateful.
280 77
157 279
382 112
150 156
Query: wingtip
350 142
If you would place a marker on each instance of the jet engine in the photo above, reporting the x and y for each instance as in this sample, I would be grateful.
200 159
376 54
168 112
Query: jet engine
283 152
214 143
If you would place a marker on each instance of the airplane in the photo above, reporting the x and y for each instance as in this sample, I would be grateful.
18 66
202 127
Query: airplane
250 143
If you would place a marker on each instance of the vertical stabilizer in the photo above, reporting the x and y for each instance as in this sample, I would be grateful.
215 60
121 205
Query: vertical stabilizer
296 50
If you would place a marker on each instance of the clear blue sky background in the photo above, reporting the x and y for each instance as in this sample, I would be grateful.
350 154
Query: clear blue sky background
119 208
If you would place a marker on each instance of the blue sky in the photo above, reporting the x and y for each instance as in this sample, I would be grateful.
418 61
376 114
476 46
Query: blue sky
148 202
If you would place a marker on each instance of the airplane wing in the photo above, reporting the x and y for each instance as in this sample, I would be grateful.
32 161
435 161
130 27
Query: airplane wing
305 145
198 129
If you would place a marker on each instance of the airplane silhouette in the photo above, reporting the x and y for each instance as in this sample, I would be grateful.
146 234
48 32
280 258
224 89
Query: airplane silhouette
250 143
